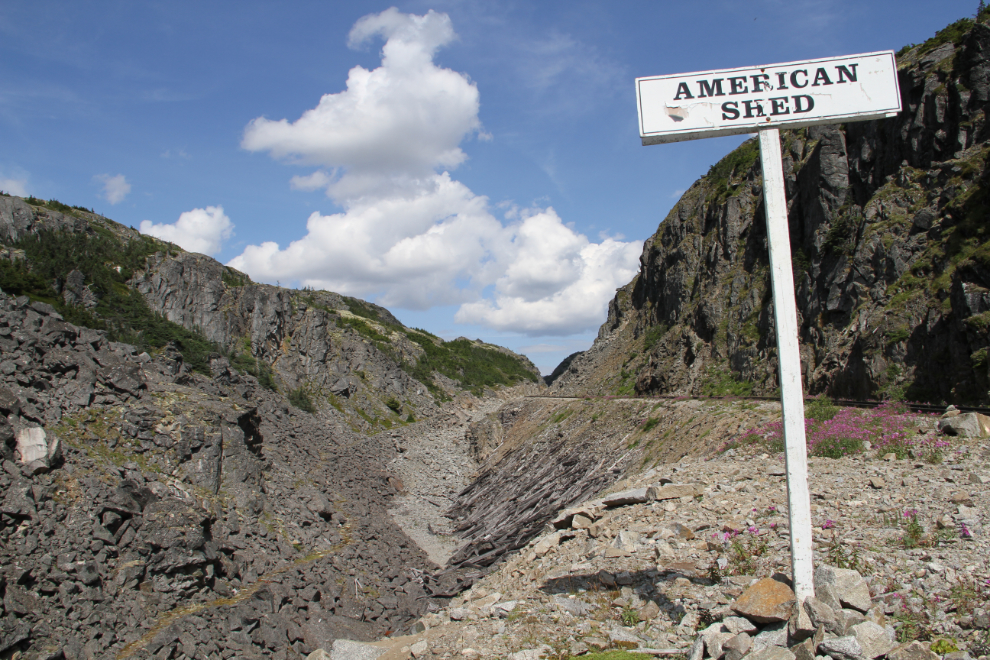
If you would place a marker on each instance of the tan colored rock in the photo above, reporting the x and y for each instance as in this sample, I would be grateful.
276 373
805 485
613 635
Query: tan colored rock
821 615
767 601
873 639
772 653
649 611
967 425
715 644
912 651
961 497
805 650
799 626
677 491
681 531
581 521
635 496
318 654
849 587
738 646
544 545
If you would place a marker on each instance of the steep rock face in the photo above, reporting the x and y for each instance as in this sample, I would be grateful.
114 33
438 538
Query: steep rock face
891 264
299 333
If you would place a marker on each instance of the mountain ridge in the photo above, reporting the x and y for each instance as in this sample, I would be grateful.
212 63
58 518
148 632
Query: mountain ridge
891 261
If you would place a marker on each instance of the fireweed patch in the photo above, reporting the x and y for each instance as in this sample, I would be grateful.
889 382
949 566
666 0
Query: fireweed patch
888 428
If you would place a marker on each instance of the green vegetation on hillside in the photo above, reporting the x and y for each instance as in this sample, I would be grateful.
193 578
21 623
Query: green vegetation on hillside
720 381
472 366
952 33
107 263
736 164
56 205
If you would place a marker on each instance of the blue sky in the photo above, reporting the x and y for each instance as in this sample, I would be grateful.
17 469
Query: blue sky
473 166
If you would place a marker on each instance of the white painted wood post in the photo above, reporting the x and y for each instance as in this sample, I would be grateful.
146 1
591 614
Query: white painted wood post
789 358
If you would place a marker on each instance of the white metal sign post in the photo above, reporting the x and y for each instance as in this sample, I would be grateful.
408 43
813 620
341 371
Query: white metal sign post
759 99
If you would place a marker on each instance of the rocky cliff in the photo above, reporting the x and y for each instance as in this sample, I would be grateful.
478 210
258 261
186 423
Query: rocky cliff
888 228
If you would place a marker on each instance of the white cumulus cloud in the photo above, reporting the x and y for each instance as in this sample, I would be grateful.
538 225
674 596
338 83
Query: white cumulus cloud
555 281
403 119
115 188
16 187
409 234
199 230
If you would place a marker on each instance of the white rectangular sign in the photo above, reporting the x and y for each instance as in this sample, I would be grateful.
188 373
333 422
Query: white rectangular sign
710 103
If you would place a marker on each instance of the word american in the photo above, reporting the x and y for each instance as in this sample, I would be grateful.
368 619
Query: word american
761 82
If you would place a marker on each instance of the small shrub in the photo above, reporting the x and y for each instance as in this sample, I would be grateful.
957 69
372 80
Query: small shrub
840 557
720 381
394 405
821 409
943 646
650 424
913 531
629 616
653 335
300 399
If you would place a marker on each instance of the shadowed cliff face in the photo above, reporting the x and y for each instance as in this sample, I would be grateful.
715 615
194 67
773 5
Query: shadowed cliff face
888 228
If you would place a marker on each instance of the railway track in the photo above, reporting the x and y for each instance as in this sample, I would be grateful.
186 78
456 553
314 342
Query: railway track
847 403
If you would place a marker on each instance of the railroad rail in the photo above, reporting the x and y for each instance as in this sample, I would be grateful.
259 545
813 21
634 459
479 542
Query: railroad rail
914 406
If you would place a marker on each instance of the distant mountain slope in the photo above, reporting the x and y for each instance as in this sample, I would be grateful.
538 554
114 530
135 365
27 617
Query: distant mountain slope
889 228
327 349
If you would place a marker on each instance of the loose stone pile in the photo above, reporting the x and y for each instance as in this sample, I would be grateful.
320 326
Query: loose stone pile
146 510
681 575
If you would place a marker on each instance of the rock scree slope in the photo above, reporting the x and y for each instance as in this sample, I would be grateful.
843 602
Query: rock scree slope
220 484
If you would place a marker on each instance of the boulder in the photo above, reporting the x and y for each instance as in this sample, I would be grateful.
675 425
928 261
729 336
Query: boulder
319 654
635 496
799 626
767 601
828 596
697 651
911 651
847 619
805 650
772 635
849 586
737 646
738 624
842 648
564 519
873 639
677 491
966 425
9 403
32 444
345 649
771 653
581 521
715 643
822 615
649 611
543 546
